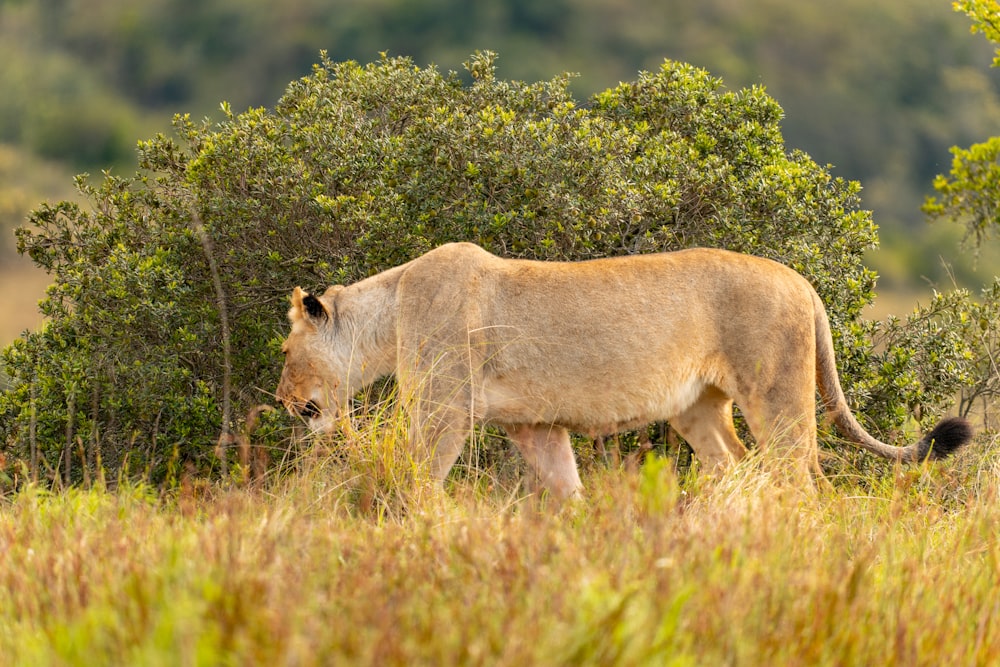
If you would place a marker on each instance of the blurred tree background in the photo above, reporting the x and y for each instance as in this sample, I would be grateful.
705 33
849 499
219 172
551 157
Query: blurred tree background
880 91
353 168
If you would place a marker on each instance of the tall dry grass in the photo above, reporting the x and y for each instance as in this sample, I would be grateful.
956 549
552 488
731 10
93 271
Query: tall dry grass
352 559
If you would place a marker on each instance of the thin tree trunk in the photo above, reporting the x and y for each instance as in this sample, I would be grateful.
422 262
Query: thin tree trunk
227 369
33 432
68 452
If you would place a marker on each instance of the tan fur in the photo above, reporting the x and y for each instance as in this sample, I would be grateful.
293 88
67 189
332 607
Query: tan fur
543 348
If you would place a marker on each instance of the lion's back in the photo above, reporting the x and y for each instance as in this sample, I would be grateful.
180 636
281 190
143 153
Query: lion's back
716 289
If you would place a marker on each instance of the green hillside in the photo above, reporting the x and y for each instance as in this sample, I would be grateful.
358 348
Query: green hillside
878 90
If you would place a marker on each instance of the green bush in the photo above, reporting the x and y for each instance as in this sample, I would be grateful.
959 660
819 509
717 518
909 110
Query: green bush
360 168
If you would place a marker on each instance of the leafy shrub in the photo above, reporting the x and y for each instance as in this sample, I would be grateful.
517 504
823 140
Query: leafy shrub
169 293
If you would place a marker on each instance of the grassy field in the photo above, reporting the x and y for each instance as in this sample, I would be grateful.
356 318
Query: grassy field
345 560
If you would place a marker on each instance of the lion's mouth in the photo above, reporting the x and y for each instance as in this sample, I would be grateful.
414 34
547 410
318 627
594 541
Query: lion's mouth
306 409
310 410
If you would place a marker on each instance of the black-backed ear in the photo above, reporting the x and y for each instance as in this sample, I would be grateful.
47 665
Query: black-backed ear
314 307
306 307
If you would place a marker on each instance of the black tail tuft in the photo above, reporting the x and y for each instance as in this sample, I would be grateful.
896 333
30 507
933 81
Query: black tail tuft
945 438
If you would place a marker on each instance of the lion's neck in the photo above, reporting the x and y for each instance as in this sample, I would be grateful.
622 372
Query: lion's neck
374 310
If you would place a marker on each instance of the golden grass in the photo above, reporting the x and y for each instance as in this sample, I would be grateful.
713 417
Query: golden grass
333 564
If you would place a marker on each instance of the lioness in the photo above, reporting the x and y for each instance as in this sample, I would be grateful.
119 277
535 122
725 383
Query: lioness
543 348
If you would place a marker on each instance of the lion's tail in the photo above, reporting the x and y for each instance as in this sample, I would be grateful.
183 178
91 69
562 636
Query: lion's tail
949 434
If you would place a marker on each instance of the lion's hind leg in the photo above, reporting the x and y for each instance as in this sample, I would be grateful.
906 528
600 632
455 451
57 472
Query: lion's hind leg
549 453
708 427
786 436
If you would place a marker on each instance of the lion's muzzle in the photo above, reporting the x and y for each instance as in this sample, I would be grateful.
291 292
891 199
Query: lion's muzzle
305 409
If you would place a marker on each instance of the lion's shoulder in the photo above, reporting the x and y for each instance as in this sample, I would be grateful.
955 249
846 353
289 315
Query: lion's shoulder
451 264
460 250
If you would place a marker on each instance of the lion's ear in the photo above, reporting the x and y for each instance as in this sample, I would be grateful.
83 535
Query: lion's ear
306 306
314 307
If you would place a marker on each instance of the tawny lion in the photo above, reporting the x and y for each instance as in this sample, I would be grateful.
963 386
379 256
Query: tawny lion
544 348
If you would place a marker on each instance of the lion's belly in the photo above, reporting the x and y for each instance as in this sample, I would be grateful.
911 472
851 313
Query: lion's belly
587 406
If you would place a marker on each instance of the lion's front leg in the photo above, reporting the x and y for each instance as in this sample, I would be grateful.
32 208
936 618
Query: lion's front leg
437 436
435 376
548 451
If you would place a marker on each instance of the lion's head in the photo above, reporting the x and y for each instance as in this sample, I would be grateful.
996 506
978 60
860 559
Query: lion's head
315 377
